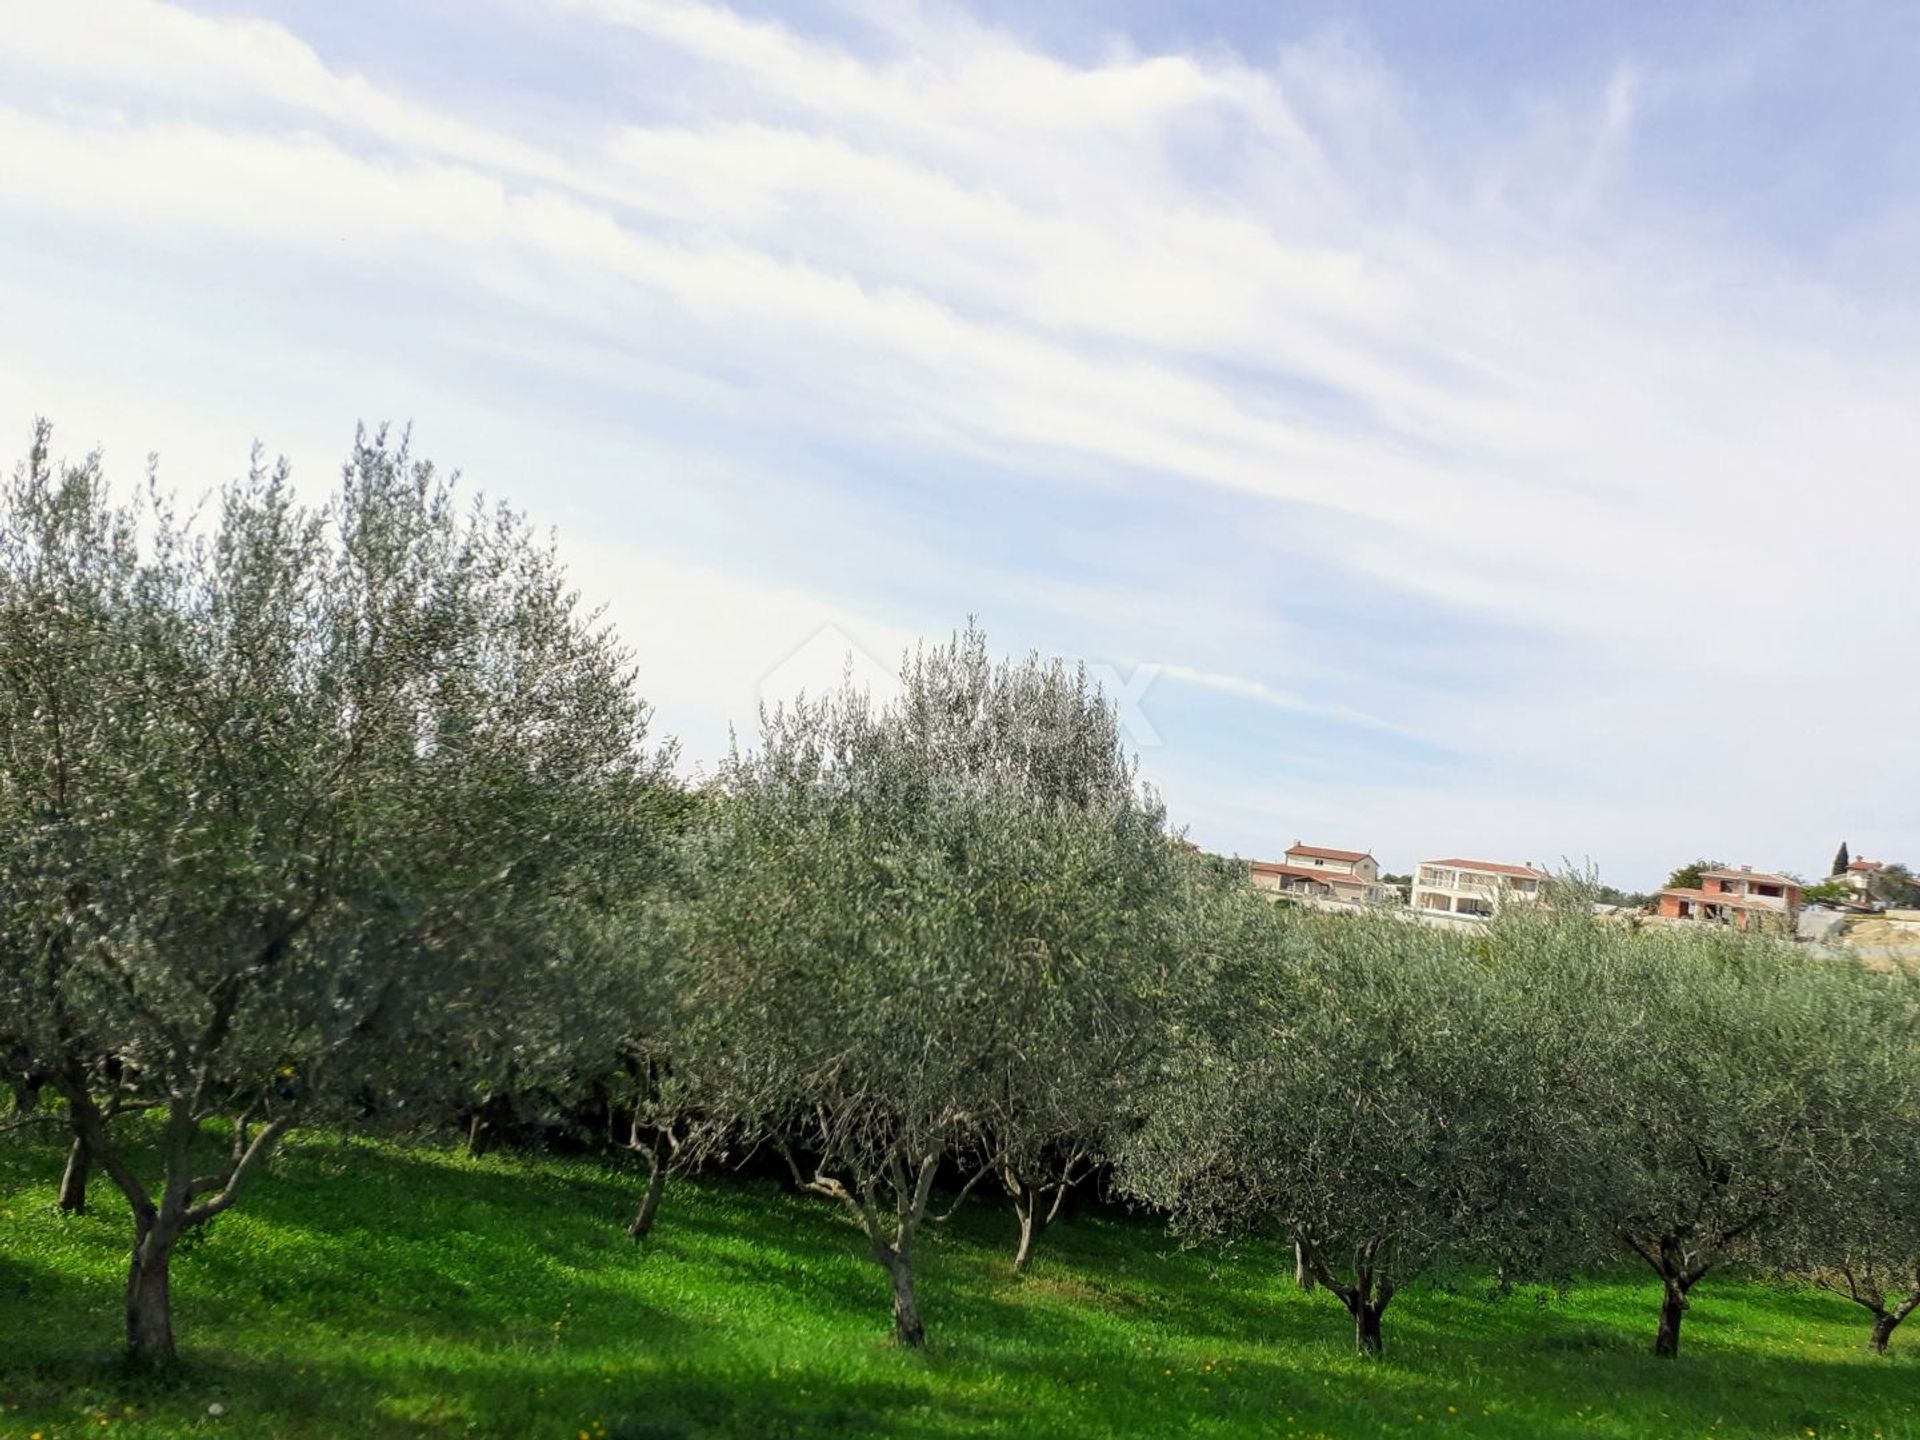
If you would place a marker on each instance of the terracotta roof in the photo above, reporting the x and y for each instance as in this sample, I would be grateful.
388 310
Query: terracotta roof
1319 852
1866 865
1493 867
1716 897
1294 872
1761 875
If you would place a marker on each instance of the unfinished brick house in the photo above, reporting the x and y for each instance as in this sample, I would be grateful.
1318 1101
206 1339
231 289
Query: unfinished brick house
1742 898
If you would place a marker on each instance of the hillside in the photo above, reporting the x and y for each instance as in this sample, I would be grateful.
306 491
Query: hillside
1884 941
369 1290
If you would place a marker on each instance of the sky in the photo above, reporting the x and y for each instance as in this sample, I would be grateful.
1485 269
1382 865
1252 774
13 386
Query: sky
1472 430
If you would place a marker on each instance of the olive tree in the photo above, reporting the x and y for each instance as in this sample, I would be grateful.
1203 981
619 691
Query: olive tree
1859 1235
1084 924
546 1023
1875 1269
282 793
68 590
652 1093
1724 1097
577 1026
829 1020
1062 1095
929 933
1361 1086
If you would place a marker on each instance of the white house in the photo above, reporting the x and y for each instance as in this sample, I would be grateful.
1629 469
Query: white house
1859 875
1476 888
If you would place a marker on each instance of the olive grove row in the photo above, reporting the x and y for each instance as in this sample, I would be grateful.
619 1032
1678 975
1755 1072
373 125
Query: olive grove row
349 815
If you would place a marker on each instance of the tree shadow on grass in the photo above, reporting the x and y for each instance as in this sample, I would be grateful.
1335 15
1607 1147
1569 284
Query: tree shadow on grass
45 1310
505 1395
1565 1366
739 1401
1531 1364
524 1394
418 1289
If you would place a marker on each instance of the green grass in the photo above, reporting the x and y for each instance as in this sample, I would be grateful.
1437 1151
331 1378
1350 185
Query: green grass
364 1289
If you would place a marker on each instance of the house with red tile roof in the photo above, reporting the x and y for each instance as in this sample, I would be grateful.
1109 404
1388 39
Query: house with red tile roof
1353 874
1859 875
1321 872
1743 898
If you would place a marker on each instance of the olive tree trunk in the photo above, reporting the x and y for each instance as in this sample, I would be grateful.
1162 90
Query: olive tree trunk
1864 1287
149 1293
889 1239
1680 1269
1366 1298
1887 1318
1023 1212
896 1253
1366 1327
1029 1196
1882 1332
907 1328
1673 1309
487 1121
185 1201
73 1180
656 1153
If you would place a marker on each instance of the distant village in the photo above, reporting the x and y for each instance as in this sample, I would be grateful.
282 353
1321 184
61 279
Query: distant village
1461 893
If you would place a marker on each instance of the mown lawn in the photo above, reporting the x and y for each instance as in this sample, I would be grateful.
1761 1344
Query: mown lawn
365 1289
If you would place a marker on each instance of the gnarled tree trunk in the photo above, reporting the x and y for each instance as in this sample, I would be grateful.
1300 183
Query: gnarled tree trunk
149 1297
1023 1208
1028 1196
1677 1259
896 1254
1887 1318
185 1200
656 1153
1673 1308
907 1328
1366 1298
1366 1327
1883 1324
911 1182
1864 1286
73 1180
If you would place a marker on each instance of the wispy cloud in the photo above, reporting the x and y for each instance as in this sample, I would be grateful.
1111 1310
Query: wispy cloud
1378 436
1258 690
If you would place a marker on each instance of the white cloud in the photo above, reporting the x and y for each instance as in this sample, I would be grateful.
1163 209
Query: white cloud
714 646
1469 392
1251 689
